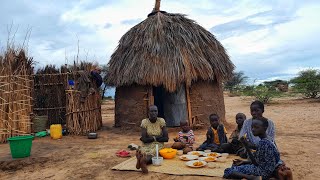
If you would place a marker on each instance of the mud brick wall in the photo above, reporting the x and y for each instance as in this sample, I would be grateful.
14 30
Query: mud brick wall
130 106
206 98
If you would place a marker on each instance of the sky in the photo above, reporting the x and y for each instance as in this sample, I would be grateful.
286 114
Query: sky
267 40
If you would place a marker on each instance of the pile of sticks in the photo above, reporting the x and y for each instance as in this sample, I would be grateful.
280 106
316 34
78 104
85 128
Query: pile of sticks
83 108
16 86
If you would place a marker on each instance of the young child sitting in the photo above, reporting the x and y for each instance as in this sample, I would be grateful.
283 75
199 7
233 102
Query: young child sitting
234 146
216 135
263 164
185 137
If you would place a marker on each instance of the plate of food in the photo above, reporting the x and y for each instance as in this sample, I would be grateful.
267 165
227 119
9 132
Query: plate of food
212 154
188 157
196 164
197 153
208 159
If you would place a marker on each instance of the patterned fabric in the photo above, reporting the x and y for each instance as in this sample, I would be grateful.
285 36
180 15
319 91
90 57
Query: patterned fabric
153 129
267 157
247 129
190 135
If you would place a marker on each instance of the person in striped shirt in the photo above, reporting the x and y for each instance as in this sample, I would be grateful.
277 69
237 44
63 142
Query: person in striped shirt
186 135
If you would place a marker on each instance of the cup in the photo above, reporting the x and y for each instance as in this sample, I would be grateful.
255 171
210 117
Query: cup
179 152
207 151
157 161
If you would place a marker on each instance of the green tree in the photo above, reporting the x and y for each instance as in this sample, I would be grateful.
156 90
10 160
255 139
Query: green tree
237 79
104 74
307 82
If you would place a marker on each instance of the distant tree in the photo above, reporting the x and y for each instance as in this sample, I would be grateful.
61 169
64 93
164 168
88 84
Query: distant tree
280 85
237 79
307 82
104 74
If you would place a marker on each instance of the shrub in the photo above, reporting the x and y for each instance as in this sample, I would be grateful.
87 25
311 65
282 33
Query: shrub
307 82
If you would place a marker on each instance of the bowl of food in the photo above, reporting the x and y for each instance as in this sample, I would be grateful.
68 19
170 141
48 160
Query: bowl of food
197 153
213 154
208 159
188 157
168 153
157 161
196 164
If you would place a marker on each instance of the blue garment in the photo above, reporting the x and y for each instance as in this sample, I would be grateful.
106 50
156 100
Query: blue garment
247 129
267 157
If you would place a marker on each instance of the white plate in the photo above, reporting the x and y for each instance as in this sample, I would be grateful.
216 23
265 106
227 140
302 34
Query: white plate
188 157
224 154
197 153
190 163
208 154
205 159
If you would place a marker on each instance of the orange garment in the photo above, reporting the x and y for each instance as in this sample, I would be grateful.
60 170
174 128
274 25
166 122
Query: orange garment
216 136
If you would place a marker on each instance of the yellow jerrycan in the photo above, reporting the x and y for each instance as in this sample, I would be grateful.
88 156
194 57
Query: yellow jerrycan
56 131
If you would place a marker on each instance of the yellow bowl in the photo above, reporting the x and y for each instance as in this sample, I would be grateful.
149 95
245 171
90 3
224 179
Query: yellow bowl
168 153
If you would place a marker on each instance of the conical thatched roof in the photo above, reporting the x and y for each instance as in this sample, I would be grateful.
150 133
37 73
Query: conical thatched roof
168 49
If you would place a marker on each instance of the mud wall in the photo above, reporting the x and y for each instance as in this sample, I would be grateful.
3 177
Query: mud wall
130 106
206 98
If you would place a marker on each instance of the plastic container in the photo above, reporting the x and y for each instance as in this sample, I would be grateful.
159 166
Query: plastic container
157 162
20 146
179 152
56 131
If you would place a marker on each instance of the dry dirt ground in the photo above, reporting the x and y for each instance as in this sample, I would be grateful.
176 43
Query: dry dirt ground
72 157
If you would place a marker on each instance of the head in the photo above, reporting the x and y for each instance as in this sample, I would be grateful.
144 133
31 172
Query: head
153 112
259 126
240 117
214 120
256 109
97 70
184 126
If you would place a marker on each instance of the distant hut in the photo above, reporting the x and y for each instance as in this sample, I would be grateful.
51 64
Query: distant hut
172 62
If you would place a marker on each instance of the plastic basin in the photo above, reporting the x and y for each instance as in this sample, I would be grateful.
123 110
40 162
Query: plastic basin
20 146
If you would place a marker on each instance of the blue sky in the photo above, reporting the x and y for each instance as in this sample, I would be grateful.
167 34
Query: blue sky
266 39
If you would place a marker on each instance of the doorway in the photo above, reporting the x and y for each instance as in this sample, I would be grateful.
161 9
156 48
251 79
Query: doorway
171 106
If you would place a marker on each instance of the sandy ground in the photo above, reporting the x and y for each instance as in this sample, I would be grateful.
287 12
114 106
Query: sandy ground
297 132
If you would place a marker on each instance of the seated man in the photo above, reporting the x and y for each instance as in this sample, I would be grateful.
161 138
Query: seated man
154 132
216 135
234 146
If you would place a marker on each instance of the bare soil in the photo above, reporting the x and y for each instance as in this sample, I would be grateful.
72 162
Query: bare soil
76 157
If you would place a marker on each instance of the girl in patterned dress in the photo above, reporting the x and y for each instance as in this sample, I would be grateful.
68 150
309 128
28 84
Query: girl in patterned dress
265 161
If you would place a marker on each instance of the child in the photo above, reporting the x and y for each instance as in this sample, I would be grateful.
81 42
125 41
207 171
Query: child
234 146
216 135
265 161
185 137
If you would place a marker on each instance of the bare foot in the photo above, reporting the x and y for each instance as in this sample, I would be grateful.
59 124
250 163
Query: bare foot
143 164
138 156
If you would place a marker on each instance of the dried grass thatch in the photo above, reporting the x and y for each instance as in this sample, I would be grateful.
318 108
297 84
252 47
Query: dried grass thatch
16 87
168 49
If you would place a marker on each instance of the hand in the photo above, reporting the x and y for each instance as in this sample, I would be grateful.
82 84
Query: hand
238 162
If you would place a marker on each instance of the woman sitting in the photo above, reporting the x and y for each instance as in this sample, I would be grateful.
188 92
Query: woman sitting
153 133
266 158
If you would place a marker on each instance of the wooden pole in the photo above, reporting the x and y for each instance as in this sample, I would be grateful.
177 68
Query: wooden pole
157 6
189 106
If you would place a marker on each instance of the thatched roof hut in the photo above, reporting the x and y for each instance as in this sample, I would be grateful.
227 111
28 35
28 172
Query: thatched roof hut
172 62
